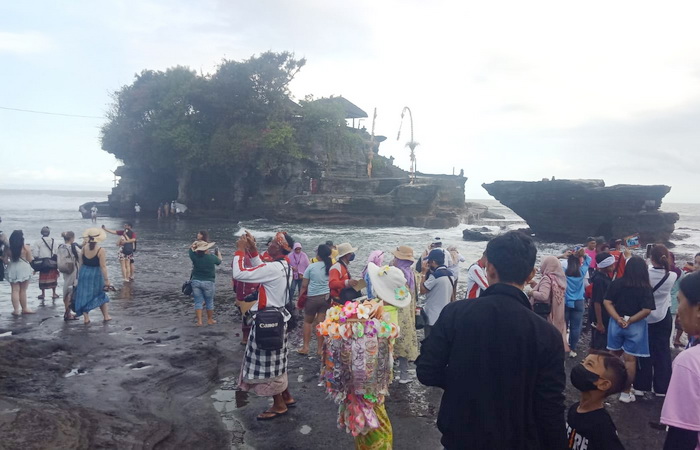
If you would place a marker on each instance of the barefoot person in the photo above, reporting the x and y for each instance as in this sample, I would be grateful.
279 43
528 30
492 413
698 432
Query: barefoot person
265 371
93 283
17 257
45 248
203 278
69 265
127 245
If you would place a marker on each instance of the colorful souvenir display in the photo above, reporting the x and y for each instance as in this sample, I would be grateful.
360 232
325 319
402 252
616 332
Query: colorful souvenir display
357 362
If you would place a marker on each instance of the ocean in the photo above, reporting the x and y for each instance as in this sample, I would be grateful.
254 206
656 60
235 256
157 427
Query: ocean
162 263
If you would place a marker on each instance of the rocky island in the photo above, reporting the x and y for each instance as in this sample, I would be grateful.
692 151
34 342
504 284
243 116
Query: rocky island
235 144
571 210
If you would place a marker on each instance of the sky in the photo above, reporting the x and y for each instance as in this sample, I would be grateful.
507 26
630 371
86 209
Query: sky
506 90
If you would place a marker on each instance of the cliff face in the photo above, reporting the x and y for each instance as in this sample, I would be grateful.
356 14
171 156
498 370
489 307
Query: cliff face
331 189
571 210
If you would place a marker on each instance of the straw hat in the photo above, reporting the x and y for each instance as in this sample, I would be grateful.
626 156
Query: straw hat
403 252
344 249
94 234
389 284
200 246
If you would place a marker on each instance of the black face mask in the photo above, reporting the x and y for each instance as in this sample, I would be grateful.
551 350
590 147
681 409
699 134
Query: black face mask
583 379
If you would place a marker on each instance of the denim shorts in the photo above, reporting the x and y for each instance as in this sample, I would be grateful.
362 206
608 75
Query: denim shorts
203 293
633 340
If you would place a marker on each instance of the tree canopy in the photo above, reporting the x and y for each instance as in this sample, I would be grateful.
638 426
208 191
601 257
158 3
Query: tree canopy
242 115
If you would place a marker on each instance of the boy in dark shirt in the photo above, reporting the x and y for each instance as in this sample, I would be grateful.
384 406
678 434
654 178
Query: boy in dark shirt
599 317
588 424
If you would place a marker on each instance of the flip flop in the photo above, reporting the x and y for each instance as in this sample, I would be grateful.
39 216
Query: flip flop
41 297
273 415
302 353
55 296
291 404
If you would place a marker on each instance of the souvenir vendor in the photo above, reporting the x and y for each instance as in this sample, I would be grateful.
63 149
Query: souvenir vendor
357 360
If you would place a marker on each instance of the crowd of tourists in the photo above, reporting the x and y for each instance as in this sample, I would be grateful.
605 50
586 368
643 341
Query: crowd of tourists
497 350
83 266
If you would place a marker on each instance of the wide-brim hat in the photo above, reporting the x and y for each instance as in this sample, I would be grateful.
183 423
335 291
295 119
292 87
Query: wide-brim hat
345 249
94 235
403 252
389 284
200 246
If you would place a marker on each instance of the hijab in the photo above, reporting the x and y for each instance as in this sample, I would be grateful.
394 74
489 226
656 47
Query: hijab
376 258
407 269
551 267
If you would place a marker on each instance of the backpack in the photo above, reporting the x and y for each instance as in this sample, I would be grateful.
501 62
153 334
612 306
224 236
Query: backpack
66 259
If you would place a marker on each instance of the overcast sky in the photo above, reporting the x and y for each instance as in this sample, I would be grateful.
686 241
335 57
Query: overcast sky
505 90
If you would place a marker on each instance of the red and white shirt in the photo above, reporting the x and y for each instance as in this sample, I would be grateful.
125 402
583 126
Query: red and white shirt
272 277
476 281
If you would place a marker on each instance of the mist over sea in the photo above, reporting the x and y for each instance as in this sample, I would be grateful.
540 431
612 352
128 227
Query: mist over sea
162 263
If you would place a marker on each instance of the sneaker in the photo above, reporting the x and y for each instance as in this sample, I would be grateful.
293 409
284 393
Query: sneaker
573 354
660 395
637 392
627 397
405 378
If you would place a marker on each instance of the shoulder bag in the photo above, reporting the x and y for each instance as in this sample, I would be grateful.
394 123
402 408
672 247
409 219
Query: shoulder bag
544 309
187 286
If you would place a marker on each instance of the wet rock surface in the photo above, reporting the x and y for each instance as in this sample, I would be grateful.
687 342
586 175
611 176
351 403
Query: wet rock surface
571 210
67 385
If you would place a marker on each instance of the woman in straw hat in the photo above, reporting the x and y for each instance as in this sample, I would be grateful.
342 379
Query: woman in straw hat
93 278
339 276
203 278
406 347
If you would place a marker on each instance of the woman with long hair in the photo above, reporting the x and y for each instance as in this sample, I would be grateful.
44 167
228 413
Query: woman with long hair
681 410
551 290
19 271
69 252
629 301
315 288
656 369
576 271
91 291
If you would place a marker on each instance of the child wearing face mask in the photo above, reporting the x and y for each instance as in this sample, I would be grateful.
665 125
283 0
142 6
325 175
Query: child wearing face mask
589 426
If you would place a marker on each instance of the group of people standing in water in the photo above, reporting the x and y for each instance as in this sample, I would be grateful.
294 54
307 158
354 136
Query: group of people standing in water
82 265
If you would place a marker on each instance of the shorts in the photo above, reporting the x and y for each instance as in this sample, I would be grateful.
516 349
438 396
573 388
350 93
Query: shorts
123 257
633 340
316 304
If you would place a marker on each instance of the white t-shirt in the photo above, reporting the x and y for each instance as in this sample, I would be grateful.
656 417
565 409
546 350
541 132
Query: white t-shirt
662 296
93 210
272 277
438 296
44 250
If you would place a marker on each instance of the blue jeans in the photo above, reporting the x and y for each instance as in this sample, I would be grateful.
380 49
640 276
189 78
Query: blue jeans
296 287
203 292
574 320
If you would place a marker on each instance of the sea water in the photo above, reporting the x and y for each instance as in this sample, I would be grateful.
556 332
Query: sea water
162 262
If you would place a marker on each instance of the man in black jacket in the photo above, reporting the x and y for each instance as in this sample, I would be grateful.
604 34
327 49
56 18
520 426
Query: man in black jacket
501 365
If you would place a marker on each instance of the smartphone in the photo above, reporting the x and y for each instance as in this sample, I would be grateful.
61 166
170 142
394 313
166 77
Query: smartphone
649 247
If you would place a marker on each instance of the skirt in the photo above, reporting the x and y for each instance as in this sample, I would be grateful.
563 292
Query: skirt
89 294
381 438
18 271
264 372
49 279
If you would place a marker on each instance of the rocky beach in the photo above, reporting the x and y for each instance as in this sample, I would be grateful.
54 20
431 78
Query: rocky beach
151 379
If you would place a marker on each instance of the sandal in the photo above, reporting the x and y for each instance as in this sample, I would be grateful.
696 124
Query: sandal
269 415
68 316
55 296
301 352
41 297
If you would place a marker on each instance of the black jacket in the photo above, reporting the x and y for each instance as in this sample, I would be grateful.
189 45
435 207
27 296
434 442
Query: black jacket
502 369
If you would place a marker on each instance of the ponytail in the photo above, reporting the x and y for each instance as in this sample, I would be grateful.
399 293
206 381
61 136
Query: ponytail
661 256
324 254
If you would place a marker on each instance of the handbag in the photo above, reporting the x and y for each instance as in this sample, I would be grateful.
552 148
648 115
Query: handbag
187 286
542 309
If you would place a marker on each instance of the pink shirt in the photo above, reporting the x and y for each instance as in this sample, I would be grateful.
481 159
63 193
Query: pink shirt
592 254
682 405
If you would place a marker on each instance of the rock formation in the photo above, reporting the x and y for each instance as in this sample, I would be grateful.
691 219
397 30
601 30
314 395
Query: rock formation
571 210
